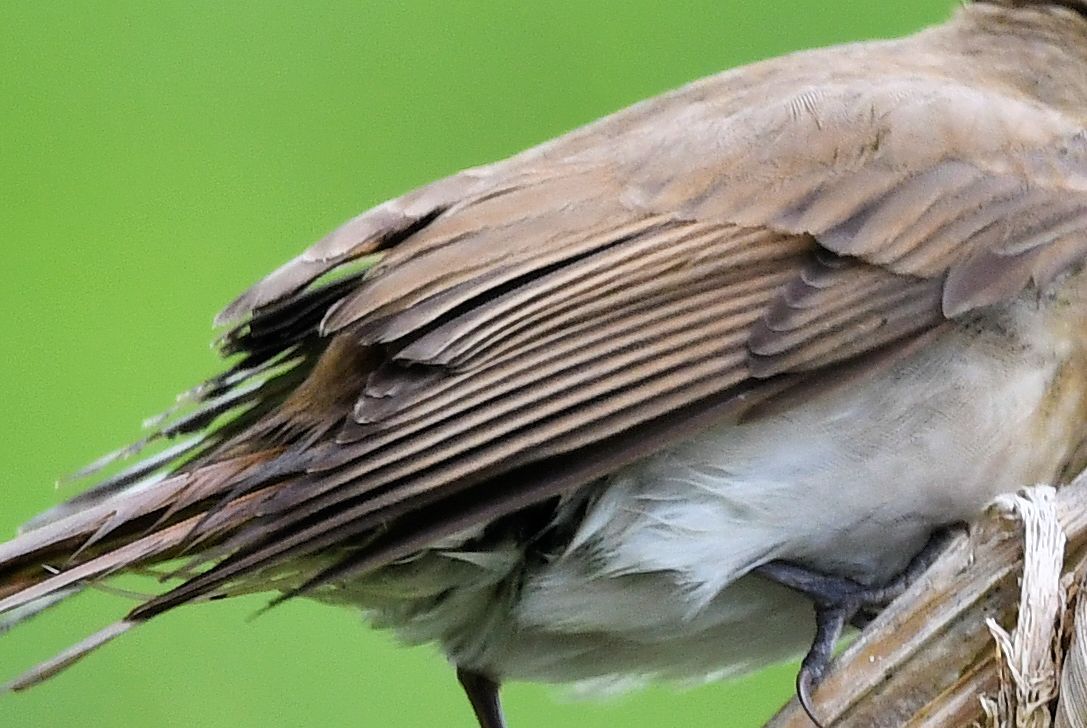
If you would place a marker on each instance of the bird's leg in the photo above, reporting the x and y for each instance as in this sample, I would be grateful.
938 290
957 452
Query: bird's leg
482 692
839 601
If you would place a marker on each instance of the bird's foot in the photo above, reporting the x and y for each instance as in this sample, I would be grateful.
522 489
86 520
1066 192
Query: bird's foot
840 601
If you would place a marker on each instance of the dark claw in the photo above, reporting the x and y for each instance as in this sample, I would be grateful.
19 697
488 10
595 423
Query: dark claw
805 683
482 693
829 623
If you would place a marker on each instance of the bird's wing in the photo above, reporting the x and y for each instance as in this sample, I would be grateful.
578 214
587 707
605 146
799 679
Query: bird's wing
535 324
549 319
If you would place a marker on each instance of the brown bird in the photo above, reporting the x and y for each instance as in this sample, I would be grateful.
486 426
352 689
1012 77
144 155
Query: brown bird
624 406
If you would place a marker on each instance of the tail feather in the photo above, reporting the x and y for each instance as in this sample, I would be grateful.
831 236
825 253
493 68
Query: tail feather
141 475
70 535
69 657
115 538
236 429
154 546
32 609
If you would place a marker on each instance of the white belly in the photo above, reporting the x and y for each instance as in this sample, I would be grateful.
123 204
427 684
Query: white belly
653 584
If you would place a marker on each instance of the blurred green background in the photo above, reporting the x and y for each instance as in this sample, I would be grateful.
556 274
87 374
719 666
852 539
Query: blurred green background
156 157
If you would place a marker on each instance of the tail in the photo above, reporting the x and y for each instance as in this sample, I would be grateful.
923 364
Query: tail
125 532
234 442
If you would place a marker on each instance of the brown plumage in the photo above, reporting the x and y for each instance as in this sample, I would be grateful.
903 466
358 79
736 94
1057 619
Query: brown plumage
511 334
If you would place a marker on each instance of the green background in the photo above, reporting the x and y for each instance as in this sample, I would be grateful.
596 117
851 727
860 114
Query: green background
157 157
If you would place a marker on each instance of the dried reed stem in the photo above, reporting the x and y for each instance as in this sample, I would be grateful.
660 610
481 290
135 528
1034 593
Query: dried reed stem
981 639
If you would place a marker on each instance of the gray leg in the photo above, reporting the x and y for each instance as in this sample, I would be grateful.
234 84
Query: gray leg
840 601
482 693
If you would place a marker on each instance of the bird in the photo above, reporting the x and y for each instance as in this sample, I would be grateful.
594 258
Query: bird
676 395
